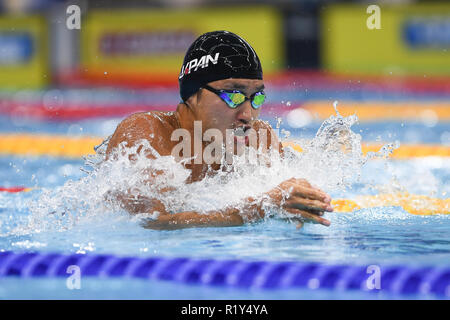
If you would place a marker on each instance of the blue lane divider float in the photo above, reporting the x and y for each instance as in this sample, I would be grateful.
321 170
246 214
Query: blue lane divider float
233 273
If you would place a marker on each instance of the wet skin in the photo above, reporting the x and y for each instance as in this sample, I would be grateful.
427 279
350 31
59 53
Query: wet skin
304 202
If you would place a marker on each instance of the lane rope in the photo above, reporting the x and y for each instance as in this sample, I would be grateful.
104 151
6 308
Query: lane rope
382 111
414 204
14 189
76 147
263 275
321 110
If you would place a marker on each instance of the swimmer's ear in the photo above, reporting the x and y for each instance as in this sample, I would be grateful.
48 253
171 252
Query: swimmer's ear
192 100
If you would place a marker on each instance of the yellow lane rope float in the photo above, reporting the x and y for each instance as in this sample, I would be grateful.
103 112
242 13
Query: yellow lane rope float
414 204
382 111
75 147
405 151
47 145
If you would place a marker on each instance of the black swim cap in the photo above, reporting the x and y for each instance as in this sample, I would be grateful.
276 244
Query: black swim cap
215 56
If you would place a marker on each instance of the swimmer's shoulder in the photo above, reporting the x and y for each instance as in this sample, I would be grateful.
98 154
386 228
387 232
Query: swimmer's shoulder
150 119
143 125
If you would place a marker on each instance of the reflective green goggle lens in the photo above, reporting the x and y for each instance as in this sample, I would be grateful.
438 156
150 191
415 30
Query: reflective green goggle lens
237 98
258 100
234 99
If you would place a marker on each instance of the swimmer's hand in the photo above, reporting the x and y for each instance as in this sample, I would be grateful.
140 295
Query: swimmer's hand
299 197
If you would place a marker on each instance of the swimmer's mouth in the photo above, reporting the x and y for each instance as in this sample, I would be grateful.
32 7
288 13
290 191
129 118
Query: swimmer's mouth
241 131
241 134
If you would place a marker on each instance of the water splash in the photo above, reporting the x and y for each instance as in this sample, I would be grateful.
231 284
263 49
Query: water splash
335 104
332 161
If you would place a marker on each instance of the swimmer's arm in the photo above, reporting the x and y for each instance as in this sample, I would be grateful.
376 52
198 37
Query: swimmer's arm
137 204
191 219
305 203
228 217
131 131
171 221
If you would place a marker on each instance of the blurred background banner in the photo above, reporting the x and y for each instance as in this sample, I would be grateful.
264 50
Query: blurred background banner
23 52
141 44
151 44
310 50
413 39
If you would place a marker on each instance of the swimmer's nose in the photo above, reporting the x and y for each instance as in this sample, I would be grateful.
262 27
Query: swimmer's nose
245 112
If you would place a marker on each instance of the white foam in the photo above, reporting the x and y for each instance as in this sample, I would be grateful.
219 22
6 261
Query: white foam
332 161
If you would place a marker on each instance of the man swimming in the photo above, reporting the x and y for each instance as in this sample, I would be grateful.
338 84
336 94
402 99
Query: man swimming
221 86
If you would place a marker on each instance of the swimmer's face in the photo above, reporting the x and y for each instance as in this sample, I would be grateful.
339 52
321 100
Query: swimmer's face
215 113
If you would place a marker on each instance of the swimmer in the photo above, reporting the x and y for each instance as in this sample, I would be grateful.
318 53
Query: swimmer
221 85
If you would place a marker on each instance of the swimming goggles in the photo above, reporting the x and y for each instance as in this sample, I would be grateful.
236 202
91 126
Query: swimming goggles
234 98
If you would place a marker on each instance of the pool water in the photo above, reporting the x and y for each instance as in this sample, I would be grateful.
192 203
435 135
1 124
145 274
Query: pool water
384 235
370 236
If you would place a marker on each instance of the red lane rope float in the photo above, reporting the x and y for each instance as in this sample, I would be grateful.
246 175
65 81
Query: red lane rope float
91 111
14 189
372 111
75 112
